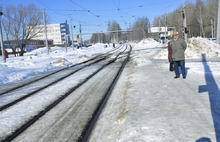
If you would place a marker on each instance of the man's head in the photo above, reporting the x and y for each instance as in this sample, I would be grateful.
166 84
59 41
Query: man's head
175 35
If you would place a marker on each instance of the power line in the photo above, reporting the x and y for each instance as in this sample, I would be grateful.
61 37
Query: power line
118 9
98 16
56 11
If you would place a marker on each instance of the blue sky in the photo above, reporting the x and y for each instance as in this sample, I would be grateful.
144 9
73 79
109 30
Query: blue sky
93 15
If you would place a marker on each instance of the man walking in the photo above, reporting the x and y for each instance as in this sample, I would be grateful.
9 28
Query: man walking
178 47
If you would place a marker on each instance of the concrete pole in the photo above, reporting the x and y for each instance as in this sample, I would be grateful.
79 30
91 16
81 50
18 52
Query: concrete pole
184 21
117 35
159 30
71 28
80 33
1 37
165 33
212 27
218 24
45 30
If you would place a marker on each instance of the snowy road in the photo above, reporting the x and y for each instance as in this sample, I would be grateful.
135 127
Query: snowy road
149 105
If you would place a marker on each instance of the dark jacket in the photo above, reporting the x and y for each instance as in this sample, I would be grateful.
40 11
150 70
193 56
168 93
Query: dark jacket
169 52
178 48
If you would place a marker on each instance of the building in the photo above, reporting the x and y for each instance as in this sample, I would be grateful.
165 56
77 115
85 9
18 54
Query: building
58 33
162 33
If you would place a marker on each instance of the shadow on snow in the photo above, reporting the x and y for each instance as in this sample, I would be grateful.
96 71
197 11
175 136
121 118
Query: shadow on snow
214 98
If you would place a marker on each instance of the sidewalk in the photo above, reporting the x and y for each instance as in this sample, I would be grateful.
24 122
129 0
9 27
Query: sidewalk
149 105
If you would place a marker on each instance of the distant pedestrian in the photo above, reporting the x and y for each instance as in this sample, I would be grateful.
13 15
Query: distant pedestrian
170 57
178 46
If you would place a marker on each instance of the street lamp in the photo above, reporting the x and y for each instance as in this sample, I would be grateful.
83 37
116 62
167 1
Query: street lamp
66 40
71 28
1 38
166 23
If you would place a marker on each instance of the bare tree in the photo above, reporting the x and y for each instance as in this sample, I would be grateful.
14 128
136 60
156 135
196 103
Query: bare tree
98 37
199 12
198 17
94 38
19 23
114 26
140 28
213 14
190 18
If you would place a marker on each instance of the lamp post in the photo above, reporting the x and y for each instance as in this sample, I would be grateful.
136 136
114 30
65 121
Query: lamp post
212 26
45 30
66 41
165 33
184 21
159 29
71 28
164 21
218 25
1 38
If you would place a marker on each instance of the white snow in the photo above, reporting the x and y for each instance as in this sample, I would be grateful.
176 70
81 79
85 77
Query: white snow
39 61
196 47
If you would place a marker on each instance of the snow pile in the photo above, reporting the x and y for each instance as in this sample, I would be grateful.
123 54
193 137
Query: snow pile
195 47
198 46
147 43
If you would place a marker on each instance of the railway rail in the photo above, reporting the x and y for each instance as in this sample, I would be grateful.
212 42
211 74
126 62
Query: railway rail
108 66
48 80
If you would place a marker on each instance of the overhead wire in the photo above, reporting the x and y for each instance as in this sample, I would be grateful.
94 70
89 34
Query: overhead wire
118 9
121 10
56 11
98 16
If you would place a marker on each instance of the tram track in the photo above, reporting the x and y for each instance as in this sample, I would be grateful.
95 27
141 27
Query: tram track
84 63
102 64
48 80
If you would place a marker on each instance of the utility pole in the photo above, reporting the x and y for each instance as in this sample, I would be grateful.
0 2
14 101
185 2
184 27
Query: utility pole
165 16
150 30
71 28
45 30
184 21
165 33
117 35
218 24
80 31
212 27
159 30
1 38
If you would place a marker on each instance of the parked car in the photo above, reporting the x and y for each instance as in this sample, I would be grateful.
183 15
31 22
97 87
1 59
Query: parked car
212 39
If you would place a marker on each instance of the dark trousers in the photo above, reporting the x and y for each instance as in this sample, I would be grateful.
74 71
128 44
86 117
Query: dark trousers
180 63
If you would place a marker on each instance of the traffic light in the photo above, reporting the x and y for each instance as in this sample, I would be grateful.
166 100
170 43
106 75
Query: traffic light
185 30
183 15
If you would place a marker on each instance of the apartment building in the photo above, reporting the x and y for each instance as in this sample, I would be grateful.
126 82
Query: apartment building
58 33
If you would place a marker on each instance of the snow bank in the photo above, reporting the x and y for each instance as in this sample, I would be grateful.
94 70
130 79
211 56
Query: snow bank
195 47
147 43
199 45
